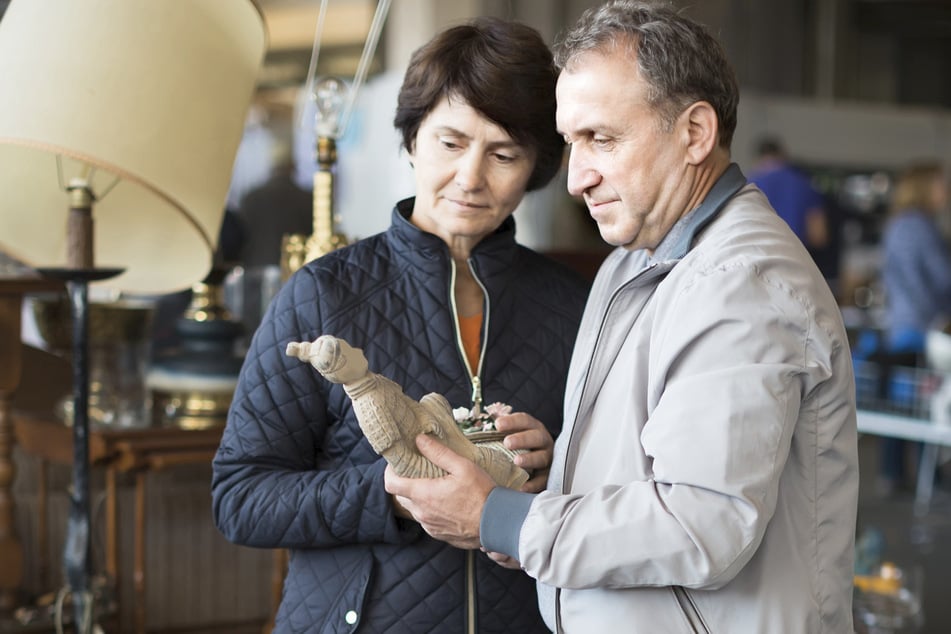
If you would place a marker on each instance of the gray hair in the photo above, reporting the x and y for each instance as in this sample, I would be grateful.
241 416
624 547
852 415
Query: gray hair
681 61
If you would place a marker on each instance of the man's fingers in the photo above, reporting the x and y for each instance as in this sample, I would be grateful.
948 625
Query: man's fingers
439 454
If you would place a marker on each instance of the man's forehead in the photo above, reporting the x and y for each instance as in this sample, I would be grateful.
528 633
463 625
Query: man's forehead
598 82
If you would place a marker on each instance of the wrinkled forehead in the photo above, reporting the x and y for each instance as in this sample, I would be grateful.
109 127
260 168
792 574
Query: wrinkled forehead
600 92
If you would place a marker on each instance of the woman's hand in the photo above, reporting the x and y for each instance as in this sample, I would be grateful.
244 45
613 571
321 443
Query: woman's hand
527 433
504 560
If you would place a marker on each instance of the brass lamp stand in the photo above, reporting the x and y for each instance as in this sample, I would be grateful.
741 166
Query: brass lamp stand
325 237
329 97
297 249
334 102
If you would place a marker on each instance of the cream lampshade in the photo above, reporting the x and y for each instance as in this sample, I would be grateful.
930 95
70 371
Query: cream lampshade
119 123
147 101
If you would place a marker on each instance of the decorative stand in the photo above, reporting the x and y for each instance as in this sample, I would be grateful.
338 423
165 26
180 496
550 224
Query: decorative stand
76 552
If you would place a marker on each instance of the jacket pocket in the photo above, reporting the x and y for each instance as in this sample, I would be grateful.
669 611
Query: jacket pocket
690 611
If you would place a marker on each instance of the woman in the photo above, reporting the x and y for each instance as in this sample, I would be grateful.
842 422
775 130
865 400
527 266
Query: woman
916 274
444 301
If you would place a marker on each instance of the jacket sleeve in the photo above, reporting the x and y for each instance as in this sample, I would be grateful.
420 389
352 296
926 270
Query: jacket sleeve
732 357
273 485
936 267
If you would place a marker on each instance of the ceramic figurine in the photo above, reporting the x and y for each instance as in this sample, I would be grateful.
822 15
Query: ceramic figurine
391 420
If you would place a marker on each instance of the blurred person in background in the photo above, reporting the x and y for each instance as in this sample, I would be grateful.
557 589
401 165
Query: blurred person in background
272 209
916 276
802 206
790 193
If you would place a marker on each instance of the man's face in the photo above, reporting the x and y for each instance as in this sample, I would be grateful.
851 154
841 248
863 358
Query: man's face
630 169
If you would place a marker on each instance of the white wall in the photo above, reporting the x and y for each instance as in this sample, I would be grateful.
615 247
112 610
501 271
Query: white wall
843 133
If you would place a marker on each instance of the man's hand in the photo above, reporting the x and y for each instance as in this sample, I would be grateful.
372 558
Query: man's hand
448 508
528 433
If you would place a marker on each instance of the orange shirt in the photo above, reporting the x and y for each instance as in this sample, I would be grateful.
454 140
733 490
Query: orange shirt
471 330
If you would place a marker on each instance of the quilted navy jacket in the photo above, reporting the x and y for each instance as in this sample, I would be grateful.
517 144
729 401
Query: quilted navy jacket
294 470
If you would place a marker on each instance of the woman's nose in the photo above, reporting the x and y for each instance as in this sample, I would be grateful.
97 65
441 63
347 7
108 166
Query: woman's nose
470 172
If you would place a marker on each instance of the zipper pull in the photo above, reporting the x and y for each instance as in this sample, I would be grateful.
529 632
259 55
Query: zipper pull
476 396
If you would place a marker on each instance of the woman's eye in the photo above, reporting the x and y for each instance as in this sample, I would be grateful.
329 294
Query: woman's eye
449 145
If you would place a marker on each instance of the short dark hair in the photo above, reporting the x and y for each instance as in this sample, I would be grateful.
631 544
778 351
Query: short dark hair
681 61
502 69
770 146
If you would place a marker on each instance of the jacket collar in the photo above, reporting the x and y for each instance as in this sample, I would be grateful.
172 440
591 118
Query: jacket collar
493 255
680 239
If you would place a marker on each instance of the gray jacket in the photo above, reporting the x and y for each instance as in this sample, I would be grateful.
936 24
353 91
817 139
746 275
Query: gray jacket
706 478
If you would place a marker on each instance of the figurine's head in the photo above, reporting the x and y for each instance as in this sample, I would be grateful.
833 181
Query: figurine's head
335 359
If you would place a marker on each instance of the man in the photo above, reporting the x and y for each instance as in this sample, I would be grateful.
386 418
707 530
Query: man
706 476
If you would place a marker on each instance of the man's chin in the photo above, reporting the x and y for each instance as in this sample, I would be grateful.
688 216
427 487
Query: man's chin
611 237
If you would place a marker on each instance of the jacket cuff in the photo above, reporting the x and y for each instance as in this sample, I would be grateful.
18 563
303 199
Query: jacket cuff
504 513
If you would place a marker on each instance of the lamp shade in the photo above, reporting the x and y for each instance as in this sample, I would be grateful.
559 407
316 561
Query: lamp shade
144 99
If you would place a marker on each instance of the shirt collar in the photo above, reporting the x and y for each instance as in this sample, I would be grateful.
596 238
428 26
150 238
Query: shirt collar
679 239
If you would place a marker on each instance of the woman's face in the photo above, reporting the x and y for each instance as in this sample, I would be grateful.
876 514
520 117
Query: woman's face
470 175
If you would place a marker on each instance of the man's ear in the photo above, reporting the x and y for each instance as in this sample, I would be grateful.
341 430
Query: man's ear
702 129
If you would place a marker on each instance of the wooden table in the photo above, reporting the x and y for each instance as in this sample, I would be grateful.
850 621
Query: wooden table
12 290
117 450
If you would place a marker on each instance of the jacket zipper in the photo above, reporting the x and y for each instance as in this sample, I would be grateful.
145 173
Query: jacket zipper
581 399
476 383
470 593
689 608
594 348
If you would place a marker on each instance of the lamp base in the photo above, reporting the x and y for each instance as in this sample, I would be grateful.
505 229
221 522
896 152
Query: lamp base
190 401
192 386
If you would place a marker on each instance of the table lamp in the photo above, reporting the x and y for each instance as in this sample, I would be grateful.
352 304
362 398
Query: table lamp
121 120
333 100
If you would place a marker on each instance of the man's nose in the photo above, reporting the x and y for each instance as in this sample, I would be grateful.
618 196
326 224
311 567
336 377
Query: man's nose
581 174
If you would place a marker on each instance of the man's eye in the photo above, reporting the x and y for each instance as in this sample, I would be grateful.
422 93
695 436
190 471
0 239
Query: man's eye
449 145
504 158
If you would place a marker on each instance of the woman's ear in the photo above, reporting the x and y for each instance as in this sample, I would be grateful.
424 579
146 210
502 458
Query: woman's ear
702 128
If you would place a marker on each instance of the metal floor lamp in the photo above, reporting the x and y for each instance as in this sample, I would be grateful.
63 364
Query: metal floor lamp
121 120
